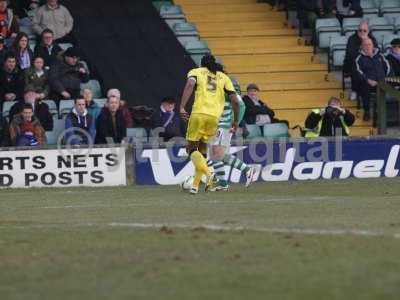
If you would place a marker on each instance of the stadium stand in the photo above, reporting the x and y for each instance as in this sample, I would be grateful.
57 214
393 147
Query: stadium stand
254 43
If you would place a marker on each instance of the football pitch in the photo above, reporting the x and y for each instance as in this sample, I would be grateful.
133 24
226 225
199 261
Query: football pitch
293 240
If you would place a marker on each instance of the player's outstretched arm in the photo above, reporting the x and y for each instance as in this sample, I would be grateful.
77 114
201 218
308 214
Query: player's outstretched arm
236 108
187 92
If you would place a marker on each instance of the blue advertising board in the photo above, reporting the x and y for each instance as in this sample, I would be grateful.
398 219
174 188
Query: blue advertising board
281 160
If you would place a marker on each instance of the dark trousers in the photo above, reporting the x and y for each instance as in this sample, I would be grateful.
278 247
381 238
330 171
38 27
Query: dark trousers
365 92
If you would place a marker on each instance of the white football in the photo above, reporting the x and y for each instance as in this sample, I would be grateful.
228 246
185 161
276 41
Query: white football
187 183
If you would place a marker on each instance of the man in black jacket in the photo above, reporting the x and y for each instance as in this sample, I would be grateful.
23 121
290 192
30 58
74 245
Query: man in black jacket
66 76
352 51
332 120
47 49
11 80
255 108
394 57
165 117
110 125
371 67
4 132
40 109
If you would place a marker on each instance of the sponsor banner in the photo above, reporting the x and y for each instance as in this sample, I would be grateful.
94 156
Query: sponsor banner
63 168
281 161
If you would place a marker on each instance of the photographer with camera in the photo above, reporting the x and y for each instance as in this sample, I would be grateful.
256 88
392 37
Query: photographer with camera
333 120
67 75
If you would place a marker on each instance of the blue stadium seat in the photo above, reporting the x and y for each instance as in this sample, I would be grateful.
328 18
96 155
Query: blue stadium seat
390 7
171 22
186 32
58 128
52 107
337 50
51 137
369 6
350 25
29 31
276 130
197 49
136 135
326 29
171 12
94 86
65 107
380 27
7 107
254 131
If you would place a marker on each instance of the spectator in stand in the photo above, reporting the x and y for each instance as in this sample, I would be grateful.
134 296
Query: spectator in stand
348 9
55 17
110 125
4 132
371 67
11 80
3 50
26 130
256 111
80 125
40 109
352 51
22 52
394 57
92 107
67 75
37 79
127 114
9 26
47 48
314 9
166 117
333 120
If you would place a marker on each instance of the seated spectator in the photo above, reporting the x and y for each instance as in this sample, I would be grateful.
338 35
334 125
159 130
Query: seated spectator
92 107
22 51
40 109
256 111
166 117
311 10
9 26
4 132
25 129
333 120
11 80
37 79
21 7
127 114
371 67
394 57
79 125
55 17
110 125
348 9
352 51
67 75
3 50
47 48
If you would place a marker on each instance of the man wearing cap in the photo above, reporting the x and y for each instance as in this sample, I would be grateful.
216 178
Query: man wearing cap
67 75
166 118
8 22
394 57
256 111
110 125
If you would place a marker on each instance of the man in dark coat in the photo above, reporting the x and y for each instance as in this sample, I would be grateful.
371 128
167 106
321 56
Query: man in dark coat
11 80
255 107
67 75
165 117
47 49
110 124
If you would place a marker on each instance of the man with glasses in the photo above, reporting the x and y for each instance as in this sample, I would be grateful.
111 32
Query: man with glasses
47 48
352 51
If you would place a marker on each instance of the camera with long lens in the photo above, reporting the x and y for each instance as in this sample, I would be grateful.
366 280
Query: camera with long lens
332 111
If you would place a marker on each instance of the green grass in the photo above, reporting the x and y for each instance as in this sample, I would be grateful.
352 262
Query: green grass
296 240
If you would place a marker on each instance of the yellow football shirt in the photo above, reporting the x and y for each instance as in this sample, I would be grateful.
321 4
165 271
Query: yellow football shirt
210 91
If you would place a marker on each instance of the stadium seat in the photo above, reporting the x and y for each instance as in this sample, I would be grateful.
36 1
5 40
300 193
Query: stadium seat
29 31
254 131
52 107
389 7
327 29
136 135
94 86
369 7
65 107
186 32
171 22
380 27
65 46
337 50
275 130
51 137
100 102
7 107
197 47
350 25
58 128
158 4
171 12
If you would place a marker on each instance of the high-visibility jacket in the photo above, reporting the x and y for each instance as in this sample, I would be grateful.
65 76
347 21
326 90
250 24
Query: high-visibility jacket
315 132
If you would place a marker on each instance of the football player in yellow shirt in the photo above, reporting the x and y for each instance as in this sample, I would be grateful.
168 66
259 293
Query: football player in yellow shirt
210 86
